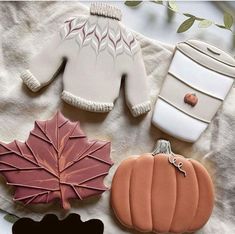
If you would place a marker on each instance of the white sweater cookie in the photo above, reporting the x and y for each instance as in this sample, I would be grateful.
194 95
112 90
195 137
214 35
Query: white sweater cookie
99 51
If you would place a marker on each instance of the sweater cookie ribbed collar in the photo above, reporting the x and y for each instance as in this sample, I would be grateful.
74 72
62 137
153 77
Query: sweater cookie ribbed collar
105 10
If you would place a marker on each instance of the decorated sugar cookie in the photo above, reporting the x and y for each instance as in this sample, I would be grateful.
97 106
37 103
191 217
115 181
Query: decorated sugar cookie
99 51
162 192
198 81
57 161
50 223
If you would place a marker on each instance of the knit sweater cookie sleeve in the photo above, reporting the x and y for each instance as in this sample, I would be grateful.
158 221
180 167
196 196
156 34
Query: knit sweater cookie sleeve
43 67
136 90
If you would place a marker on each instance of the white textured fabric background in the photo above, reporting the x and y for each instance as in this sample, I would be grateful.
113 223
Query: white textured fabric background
24 28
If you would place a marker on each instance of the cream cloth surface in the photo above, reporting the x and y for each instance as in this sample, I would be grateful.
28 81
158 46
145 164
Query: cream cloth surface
24 28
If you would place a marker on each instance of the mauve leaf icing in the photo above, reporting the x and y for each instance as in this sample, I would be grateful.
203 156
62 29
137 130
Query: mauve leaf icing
57 161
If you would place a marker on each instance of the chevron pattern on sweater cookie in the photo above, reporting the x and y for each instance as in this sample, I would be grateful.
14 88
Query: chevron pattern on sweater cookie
116 41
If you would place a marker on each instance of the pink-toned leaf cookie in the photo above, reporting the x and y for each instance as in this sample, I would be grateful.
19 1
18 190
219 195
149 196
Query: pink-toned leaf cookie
57 161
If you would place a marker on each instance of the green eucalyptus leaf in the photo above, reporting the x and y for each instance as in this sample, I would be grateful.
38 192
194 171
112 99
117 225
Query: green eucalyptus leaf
187 24
205 23
132 3
158 2
170 15
172 4
199 19
220 26
11 218
188 15
228 20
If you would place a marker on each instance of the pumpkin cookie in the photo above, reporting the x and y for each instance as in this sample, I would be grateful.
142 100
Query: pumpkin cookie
162 192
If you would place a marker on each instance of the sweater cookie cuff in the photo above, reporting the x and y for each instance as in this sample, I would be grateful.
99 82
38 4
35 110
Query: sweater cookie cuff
87 105
105 10
141 108
29 80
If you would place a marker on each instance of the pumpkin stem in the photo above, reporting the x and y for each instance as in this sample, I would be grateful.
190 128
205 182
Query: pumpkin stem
162 147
